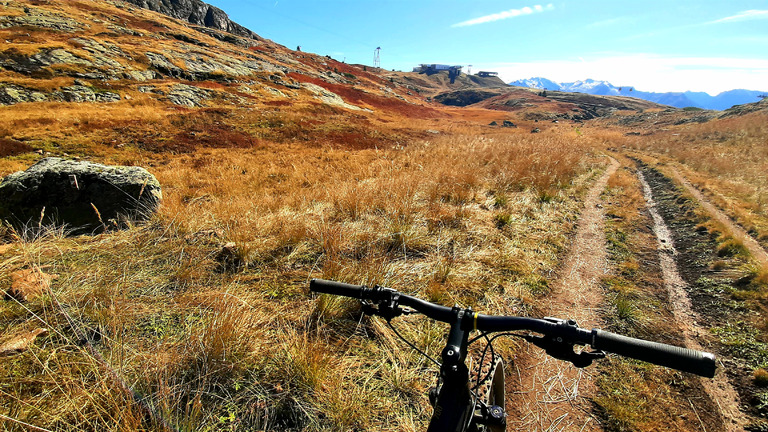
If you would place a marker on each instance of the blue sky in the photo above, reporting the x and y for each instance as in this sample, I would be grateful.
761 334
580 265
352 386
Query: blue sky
670 45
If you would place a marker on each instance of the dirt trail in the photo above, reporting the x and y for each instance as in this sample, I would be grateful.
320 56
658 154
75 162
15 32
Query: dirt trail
737 232
719 389
551 395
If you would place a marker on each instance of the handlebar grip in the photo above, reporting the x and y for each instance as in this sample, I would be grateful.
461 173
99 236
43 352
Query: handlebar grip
336 288
683 359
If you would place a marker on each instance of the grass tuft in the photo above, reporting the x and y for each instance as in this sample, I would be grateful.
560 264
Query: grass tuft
760 377
730 247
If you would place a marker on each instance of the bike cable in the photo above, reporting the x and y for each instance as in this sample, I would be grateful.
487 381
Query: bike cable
489 344
389 323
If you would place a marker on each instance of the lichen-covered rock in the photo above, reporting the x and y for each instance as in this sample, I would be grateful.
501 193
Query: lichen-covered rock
329 97
80 93
45 58
85 197
144 75
12 94
35 17
187 95
163 65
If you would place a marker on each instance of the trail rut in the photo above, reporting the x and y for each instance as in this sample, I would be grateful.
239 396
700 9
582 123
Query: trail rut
719 389
548 394
737 232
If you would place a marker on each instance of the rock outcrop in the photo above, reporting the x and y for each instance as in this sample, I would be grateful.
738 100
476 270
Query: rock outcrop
12 94
85 197
80 93
35 17
196 12
187 95
329 97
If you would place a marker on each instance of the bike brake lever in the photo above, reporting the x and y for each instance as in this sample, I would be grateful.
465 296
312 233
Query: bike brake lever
564 351
385 309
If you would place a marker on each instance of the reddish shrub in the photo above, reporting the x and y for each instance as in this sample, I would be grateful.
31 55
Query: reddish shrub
278 103
357 97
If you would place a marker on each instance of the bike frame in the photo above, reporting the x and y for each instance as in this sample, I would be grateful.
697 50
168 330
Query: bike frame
454 406
453 399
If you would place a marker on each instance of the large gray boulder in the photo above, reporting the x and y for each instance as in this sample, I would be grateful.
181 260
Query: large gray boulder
83 196
196 12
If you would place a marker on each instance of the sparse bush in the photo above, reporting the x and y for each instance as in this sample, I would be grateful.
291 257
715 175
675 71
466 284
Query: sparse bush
625 309
502 219
729 247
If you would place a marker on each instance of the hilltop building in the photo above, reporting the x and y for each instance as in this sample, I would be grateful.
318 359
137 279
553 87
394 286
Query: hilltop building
434 67
486 74
431 68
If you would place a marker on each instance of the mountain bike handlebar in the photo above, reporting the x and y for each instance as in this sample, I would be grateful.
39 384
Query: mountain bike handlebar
556 330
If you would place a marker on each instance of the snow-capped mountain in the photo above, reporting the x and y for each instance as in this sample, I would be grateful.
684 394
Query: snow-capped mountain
722 101
539 83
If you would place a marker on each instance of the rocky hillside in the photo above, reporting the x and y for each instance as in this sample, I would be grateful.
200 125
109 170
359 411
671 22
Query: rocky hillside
196 12
492 93
545 105
113 52
103 51
739 110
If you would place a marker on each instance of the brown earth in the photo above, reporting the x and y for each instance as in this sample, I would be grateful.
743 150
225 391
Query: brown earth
695 336
548 394
714 321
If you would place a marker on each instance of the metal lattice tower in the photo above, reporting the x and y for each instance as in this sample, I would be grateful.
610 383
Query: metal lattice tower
377 57
469 70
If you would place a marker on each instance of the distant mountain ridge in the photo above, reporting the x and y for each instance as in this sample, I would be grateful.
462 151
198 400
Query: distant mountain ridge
703 100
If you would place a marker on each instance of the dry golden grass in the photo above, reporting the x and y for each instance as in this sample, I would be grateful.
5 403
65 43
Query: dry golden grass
431 201
212 346
725 158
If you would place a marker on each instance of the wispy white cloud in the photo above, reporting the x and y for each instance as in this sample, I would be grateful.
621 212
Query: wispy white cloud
742 16
512 13
751 14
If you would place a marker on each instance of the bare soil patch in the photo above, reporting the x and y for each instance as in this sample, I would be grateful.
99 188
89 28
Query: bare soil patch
546 394
719 389
728 325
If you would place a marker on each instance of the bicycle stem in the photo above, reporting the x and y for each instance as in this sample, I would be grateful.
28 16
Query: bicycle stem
454 409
